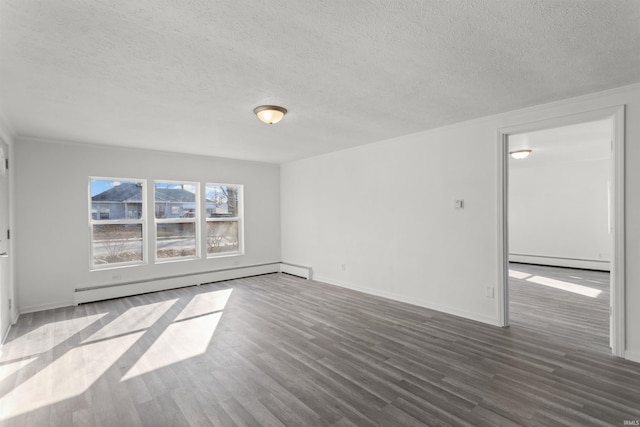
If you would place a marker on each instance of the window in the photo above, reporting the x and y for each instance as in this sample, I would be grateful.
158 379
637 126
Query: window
117 221
176 212
224 219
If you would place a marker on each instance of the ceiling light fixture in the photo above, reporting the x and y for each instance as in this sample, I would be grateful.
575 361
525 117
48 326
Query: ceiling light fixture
270 114
520 154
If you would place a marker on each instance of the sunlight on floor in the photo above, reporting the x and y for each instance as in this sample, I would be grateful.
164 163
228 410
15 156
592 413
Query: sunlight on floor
79 366
557 284
518 274
180 341
205 303
188 336
10 368
134 319
48 336
566 286
70 375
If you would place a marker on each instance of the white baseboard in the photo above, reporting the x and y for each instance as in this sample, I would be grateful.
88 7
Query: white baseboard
15 314
561 262
633 356
6 334
413 301
42 307
99 293
296 270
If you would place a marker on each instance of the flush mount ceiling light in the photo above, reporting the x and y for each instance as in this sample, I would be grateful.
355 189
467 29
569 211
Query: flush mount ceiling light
270 114
520 154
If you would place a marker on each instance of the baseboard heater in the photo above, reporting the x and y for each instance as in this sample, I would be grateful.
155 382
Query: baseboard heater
296 270
119 290
589 264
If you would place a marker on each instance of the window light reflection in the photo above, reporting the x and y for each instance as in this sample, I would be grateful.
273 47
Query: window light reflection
69 376
52 334
10 368
180 341
518 274
557 284
566 286
208 302
134 319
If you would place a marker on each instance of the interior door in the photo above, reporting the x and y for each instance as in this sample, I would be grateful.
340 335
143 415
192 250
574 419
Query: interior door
4 242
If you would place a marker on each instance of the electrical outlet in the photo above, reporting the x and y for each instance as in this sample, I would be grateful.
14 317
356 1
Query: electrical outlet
10 303
488 292
458 204
344 267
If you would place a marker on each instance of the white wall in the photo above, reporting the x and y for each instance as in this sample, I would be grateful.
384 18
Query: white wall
558 213
52 232
386 211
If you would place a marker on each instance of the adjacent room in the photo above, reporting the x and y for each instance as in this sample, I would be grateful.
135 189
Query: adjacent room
560 232
309 213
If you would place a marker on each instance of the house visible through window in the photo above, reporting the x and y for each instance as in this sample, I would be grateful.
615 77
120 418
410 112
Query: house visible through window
117 221
118 216
224 226
104 212
176 208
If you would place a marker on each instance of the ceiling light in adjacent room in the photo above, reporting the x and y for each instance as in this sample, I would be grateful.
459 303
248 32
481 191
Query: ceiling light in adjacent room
520 154
270 114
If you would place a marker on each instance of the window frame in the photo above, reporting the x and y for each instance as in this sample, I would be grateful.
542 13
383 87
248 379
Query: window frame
179 220
239 218
139 221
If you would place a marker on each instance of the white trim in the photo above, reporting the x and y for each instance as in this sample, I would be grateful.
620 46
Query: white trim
6 137
413 301
98 293
618 255
13 290
6 334
142 221
178 220
618 279
47 306
239 219
502 290
12 322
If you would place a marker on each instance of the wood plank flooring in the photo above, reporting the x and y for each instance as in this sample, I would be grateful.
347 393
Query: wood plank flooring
277 350
567 305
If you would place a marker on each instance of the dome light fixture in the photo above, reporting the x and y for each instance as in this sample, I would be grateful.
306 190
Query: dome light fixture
270 114
520 154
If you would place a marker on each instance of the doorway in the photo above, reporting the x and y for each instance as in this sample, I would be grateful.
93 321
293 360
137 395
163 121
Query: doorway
5 274
615 214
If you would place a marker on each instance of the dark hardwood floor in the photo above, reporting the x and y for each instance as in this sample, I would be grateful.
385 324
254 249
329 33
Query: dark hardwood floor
278 350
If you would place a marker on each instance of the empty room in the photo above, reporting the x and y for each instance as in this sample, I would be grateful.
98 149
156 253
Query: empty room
295 213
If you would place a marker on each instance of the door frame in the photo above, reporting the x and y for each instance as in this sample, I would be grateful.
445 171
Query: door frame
9 263
617 298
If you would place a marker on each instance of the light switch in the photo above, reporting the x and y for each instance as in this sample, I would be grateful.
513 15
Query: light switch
458 204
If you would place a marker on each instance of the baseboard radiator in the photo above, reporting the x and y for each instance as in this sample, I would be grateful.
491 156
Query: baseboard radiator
119 290
588 264
296 270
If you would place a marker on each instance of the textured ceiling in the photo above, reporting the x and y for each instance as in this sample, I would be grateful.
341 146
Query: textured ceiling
185 76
